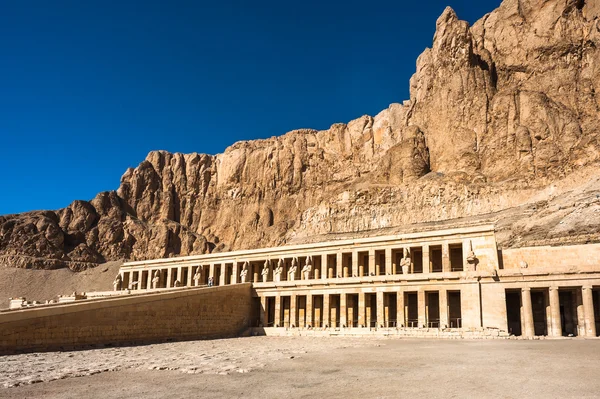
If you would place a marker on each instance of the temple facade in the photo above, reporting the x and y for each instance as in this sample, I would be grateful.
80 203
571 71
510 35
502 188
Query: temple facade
453 280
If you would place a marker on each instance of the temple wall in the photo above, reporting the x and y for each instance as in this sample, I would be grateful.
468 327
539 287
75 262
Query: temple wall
560 259
194 313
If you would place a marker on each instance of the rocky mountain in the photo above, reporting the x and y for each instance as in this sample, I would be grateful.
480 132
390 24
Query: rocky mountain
502 125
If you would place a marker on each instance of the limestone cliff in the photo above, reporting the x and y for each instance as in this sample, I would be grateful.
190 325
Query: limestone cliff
502 124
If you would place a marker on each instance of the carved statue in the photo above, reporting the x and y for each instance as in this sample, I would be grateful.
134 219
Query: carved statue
117 282
471 258
177 283
265 271
405 262
293 268
155 279
197 276
278 270
306 271
244 272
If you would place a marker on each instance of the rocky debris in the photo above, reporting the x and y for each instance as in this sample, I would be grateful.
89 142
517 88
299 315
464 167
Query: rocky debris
502 115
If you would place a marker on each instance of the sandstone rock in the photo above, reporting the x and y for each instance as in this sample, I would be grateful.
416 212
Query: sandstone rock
501 125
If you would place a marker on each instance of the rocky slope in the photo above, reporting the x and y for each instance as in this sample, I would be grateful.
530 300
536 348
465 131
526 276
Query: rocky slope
502 125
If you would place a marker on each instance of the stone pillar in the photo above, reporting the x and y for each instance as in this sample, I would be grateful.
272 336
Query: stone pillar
309 310
255 273
527 321
380 305
223 268
179 273
263 311
388 261
169 277
235 274
580 313
588 311
293 313
326 310
371 266
395 266
445 257
354 263
400 309
443 295
555 312
343 314
426 264
422 310
277 318
339 264
189 276
211 271
149 279
324 266
361 309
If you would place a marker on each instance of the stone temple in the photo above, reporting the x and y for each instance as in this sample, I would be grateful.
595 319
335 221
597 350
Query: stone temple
451 283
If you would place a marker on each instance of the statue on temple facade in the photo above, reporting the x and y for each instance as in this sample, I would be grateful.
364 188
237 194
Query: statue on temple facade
117 282
198 276
155 279
405 262
177 283
293 268
307 268
265 271
471 257
244 272
278 270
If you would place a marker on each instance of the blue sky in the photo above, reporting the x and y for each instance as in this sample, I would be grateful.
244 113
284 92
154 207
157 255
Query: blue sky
88 88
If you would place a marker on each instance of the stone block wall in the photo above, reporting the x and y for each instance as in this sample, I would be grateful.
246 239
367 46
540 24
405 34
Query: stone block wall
196 313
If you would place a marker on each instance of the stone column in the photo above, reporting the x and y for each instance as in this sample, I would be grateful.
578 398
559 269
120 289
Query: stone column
527 322
371 266
580 313
277 318
354 263
309 310
339 264
211 271
426 264
263 311
149 279
343 314
361 309
255 273
555 312
443 295
179 274
223 268
235 274
169 277
380 305
388 261
400 309
293 313
189 276
445 257
422 310
324 273
588 310
326 310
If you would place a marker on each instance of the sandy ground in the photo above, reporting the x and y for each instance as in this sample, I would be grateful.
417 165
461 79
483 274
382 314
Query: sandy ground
301 367
41 285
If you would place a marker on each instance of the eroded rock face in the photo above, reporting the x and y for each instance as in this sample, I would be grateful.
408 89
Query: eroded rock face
501 114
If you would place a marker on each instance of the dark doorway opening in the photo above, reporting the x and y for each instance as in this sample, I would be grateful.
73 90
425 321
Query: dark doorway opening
513 312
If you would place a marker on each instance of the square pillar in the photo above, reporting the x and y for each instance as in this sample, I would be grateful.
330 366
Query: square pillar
426 263
422 310
339 264
169 276
443 295
527 313
361 309
371 266
555 312
445 257
189 276
263 308
388 261
223 269
580 313
343 314
277 318
309 310
149 279
380 304
324 266
326 310
354 263
293 312
235 273
400 318
588 311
